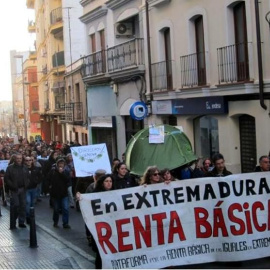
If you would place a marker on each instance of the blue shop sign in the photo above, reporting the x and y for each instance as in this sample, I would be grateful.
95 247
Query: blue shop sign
138 110
204 105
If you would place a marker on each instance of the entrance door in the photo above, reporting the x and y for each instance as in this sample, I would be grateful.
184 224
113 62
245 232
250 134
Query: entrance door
248 143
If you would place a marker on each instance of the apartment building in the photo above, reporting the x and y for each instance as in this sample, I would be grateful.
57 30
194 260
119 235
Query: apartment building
31 97
59 43
26 120
207 78
113 71
50 65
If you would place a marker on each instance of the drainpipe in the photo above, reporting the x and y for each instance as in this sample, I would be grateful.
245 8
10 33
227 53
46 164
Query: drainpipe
259 54
149 48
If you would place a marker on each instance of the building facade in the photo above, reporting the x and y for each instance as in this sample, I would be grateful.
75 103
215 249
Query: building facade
113 71
59 43
207 76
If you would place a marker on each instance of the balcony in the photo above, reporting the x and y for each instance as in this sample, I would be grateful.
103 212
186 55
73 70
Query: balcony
193 70
94 64
125 55
56 20
233 63
31 27
162 79
73 113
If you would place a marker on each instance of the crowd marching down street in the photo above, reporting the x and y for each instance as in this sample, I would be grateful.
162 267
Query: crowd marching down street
33 170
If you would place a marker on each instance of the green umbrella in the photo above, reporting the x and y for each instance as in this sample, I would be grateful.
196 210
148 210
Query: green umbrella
176 151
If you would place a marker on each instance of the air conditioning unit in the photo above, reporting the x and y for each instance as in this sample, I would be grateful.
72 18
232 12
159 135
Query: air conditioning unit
124 29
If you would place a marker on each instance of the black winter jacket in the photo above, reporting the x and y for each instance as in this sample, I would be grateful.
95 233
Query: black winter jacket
15 172
59 183
214 173
126 182
35 177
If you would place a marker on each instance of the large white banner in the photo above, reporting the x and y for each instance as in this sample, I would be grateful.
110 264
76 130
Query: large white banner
185 222
88 159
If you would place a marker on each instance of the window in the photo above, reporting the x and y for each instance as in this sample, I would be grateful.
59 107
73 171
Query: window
93 43
200 50
206 136
241 50
168 58
103 50
77 92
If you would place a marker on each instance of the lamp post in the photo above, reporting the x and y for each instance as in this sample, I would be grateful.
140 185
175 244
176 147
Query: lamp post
24 113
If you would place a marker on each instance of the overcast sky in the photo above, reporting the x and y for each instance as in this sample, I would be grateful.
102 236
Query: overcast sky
14 17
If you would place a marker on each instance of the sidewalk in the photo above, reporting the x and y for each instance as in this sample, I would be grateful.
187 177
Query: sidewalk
52 252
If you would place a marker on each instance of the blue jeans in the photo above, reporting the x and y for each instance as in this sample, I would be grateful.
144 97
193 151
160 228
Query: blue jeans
62 204
31 195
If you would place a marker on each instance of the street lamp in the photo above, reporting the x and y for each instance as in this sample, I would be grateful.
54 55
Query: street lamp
23 83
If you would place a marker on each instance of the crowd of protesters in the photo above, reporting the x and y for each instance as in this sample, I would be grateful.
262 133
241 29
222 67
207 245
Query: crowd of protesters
39 169
35 170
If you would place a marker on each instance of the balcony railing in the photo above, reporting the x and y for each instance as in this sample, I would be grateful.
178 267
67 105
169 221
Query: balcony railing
233 63
125 55
162 76
56 15
73 112
59 106
193 70
94 64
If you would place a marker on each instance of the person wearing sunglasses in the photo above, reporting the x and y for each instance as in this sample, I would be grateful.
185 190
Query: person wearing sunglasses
151 176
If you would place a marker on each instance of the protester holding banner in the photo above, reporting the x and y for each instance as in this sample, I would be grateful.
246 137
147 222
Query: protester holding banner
219 167
206 166
166 176
123 179
264 164
87 185
151 176
104 183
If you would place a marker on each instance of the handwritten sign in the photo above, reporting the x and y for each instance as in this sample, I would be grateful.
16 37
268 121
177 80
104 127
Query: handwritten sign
88 159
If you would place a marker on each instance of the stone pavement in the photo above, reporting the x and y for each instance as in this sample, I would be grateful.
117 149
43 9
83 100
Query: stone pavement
53 252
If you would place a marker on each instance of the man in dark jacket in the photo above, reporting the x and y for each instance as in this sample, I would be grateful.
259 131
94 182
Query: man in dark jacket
17 180
59 183
35 178
264 166
219 167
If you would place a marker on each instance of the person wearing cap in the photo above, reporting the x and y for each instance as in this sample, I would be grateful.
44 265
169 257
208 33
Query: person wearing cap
59 183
